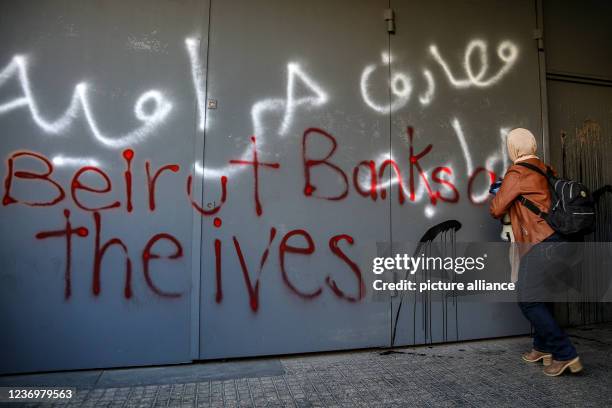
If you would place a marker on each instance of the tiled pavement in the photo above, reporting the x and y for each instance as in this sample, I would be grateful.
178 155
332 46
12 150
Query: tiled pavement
485 373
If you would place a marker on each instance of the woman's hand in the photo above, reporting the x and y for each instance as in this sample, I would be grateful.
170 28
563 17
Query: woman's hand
495 187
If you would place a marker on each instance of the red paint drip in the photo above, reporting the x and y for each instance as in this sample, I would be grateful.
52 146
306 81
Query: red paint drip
67 233
256 164
219 292
333 246
414 163
217 222
253 290
371 166
100 251
152 180
128 155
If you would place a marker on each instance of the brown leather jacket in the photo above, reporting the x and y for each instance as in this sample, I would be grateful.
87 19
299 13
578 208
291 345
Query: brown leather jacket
526 226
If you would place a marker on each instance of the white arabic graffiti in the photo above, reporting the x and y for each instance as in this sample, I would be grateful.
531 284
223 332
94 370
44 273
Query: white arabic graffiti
400 85
506 51
151 108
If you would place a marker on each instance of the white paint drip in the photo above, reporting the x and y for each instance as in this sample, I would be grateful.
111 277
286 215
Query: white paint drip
197 76
427 97
151 117
500 157
503 135
506 51
491 161
464 146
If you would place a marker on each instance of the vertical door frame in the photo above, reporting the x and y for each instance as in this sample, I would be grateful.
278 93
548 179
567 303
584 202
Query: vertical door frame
198 190
539 37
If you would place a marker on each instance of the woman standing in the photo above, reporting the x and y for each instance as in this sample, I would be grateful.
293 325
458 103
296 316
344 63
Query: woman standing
550 343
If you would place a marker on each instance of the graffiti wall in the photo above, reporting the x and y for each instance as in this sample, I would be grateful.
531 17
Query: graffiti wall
185 180
97 113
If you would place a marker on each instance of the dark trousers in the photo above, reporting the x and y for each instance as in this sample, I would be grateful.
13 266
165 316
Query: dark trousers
548 337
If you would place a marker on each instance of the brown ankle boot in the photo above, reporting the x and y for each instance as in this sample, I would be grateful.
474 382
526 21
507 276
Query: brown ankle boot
558 367
535 356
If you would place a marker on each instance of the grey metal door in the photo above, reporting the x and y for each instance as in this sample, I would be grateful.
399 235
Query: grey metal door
255 238
98 120
281 256
456 93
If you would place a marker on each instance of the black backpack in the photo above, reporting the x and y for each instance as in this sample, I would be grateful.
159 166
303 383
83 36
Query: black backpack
572 208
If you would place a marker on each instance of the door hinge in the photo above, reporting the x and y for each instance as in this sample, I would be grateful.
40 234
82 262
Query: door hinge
390 19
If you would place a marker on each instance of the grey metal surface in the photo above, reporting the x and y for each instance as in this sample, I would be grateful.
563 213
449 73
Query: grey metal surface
485 82
277 69
120 54
578 37
581 146
580 105
571 105
280 71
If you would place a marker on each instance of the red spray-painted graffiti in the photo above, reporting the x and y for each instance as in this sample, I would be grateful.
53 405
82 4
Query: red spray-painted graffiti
256 164
67 232
100 251
298 242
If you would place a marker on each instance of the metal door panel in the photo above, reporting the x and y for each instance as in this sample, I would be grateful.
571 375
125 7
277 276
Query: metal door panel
570 48
278 69
464 118
126 69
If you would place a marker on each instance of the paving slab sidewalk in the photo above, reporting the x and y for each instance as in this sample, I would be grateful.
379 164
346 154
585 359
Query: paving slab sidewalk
484 373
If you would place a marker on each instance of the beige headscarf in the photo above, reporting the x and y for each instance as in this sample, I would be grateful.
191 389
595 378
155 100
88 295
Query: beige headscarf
521 145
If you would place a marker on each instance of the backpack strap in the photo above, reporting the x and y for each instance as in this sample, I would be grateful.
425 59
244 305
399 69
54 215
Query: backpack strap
527 202
531 206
